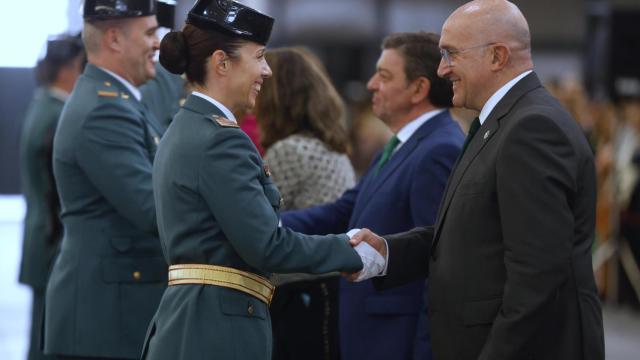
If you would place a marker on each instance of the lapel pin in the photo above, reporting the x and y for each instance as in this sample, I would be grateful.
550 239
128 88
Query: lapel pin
156 139
486 135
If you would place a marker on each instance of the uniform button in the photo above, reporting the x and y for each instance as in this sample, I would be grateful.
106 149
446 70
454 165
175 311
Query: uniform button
137 275
250 309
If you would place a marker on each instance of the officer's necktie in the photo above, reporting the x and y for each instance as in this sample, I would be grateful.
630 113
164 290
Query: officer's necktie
386 153
473 129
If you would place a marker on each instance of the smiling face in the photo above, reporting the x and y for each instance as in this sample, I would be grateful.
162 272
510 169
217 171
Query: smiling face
139 49
469 71
391 90
249 69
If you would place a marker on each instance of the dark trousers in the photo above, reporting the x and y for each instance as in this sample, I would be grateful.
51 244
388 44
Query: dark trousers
304 318
37 312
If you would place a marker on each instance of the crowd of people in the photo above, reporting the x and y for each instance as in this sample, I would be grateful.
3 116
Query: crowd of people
206 206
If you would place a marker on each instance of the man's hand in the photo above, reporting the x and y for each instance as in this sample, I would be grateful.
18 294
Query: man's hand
366 244
370 238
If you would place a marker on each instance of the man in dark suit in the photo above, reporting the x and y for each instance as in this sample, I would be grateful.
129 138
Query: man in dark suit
509 259
401 190
56 74
108 279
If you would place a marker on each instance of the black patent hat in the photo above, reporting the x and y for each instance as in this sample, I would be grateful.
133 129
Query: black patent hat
233 18
96 10
166 14
61 49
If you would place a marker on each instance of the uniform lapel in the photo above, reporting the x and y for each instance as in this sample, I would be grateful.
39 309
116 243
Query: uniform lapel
482 138
197 104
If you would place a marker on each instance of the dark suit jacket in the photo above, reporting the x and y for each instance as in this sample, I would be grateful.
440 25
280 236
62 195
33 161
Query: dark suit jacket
42 227
217 205
406 193
510 263
107 281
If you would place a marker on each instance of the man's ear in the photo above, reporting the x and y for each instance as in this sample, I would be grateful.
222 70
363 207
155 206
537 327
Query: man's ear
113 39
220 62
421 91
500 56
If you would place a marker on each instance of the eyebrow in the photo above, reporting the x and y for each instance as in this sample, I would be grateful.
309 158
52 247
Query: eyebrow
383 70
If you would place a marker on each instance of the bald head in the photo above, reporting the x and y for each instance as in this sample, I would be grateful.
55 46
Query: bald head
493 21
486 44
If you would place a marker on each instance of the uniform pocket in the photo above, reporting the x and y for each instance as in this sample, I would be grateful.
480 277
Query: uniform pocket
134 270
236 303
272 194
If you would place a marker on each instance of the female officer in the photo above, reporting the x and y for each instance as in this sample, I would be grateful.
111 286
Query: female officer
216 204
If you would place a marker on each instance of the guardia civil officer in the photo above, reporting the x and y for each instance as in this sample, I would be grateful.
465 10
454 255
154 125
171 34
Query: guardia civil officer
56 75
110 274
217 206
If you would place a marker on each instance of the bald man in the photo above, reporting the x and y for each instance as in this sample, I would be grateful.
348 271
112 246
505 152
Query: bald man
509 258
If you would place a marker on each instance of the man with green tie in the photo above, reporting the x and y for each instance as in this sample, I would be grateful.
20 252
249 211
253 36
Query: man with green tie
401 189
108 279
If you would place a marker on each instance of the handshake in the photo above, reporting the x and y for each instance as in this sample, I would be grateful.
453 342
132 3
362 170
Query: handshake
372 250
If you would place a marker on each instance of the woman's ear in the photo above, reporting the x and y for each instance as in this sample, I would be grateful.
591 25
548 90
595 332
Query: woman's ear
220 62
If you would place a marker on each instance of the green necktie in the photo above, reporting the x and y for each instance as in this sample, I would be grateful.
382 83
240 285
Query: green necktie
388 150
473 129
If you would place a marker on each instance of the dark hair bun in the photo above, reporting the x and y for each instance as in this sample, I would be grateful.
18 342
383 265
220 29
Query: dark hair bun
173 52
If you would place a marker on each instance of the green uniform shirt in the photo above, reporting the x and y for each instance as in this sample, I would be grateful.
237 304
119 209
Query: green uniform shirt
42 228
217 205
109 277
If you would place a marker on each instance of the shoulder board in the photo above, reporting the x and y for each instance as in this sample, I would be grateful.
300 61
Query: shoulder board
222 121
107 93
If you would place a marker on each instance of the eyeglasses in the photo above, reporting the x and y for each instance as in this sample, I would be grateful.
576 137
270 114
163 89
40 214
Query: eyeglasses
447 54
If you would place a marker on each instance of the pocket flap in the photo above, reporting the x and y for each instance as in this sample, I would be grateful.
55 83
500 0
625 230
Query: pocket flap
237 303
272 193
134 270
481 312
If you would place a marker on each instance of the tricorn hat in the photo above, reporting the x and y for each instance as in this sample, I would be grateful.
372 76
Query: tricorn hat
166 13
233 18
117 9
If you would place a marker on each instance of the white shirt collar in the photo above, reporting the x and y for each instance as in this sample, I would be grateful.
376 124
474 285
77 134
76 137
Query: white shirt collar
58 93
227 113
134 90
405 133
498 95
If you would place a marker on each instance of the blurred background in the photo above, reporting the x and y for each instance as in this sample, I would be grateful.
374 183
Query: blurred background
587 52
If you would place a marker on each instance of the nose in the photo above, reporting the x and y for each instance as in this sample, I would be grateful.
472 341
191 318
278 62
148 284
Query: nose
443 68
372 84
266 70
156 42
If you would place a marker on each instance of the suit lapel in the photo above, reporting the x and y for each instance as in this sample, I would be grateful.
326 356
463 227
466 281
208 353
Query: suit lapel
373 183
482 137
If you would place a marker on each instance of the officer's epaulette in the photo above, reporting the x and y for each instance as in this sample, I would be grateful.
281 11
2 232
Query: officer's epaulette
222 121
111 91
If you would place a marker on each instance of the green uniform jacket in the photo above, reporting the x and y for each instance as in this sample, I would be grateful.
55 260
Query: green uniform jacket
108 279
163 94
217 205
42 228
